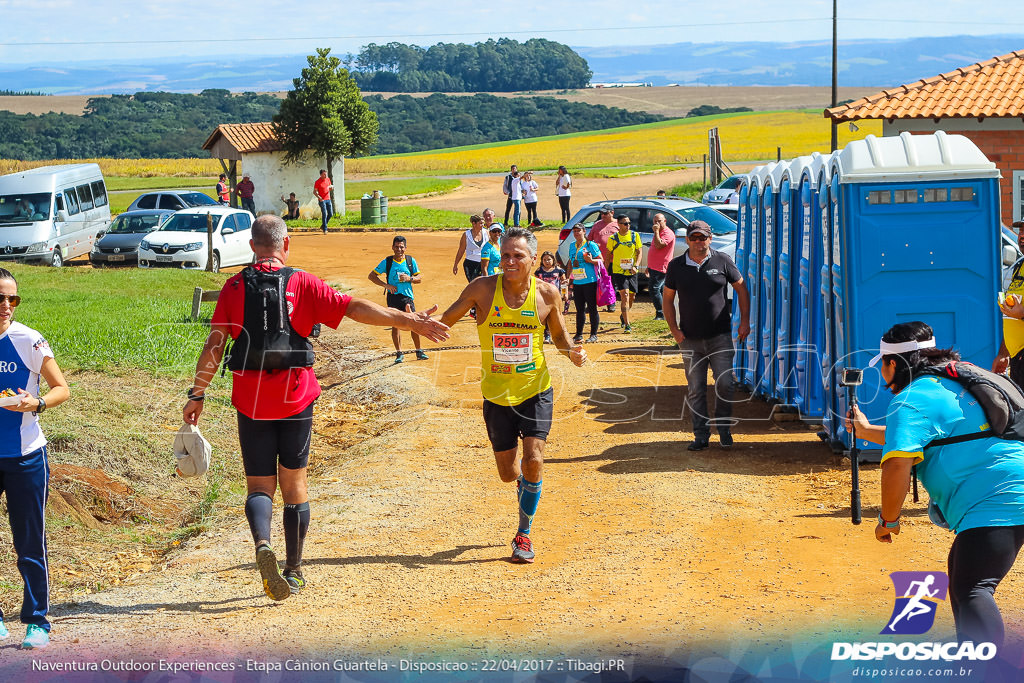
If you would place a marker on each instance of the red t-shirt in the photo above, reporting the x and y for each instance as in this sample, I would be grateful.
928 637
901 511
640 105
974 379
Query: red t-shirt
599 234
322 188
276 394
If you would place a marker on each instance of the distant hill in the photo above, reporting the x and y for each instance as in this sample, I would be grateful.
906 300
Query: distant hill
863 63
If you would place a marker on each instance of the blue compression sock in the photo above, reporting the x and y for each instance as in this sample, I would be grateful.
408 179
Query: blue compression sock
529 497
259 508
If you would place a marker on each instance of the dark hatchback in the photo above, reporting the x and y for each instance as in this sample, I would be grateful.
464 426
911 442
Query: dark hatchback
119 245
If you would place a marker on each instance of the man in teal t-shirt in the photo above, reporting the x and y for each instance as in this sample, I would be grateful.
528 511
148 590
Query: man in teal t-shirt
399 273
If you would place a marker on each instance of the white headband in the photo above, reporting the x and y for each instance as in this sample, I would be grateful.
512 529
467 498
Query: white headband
885 348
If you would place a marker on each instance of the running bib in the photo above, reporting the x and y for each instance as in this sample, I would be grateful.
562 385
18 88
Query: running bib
513 348
626 263
579 273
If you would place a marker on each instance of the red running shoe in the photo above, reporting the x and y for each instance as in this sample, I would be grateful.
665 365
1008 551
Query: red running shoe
522 549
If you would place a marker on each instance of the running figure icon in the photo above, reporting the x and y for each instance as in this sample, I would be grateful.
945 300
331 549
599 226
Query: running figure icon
916 605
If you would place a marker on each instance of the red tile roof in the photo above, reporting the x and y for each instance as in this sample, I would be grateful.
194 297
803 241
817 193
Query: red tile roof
246 137
993 88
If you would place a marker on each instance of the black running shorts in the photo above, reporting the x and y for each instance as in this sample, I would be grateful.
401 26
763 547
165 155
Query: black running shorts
266 443
400 301
532 417
623 282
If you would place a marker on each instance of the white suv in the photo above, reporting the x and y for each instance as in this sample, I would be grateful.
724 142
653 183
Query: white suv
181 242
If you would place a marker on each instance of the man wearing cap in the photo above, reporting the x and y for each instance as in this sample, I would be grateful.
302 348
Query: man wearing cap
400 273
603 228
701 276
1011 351
244 191
274 388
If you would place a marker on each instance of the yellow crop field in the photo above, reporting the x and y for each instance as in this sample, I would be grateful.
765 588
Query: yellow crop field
138 168
744 137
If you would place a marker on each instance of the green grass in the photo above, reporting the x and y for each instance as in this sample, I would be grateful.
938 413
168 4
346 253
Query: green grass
649 329
621 171
129 318
691 190
398 217
400 188
119 183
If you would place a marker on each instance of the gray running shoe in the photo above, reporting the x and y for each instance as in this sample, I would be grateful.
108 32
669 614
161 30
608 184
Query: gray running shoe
592 339
522 549
399 357
295 581
274 585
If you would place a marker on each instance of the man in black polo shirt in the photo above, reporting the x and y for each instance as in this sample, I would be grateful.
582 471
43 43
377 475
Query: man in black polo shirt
701 277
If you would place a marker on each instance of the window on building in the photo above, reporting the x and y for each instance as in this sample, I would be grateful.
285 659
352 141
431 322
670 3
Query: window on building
1018 196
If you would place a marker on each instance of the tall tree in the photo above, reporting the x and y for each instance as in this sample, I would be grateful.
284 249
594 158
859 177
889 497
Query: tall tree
325 113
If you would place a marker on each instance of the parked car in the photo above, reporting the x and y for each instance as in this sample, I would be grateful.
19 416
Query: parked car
679 213
181 242
724 192
119 245
173 200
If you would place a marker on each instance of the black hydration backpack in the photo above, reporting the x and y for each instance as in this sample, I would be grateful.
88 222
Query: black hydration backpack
1001 399
267 340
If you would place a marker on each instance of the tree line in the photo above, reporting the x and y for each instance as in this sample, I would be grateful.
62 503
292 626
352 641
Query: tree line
171 125
502 65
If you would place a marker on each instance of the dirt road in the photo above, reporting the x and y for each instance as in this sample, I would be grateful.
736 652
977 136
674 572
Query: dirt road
643 549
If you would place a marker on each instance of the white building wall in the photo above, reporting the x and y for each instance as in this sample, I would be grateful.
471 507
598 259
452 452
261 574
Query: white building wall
274 178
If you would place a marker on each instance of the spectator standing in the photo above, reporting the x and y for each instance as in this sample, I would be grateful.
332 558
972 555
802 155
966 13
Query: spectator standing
470 244
488 215
530 187
701 276
661 194
1011 351
274 393
550 272
245 191
663 244
400 274
625 249
583 254
24 468
602 229
490 255
512 187
223 190
293 206
322 189
563 188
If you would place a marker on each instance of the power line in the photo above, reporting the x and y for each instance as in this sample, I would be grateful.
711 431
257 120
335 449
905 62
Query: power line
464 34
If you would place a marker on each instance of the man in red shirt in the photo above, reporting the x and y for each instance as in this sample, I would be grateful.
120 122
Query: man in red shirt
245 190
663 244
603 228
275 407
223 191
322 189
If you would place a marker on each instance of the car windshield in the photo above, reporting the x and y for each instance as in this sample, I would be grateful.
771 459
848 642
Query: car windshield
128 224
188 222
197 199
18 208
720 225
730 183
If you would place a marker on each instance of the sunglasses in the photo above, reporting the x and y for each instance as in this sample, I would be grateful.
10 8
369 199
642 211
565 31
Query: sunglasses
697 238
12 299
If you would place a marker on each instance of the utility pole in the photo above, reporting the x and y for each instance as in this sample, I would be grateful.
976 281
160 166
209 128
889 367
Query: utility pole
835 76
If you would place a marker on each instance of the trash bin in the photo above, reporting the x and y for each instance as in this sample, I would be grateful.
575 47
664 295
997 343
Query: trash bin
370 207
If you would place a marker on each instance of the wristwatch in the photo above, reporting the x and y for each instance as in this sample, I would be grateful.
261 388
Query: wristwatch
41 407
888 525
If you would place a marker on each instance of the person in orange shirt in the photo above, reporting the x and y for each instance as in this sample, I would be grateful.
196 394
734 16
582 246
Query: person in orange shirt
322 189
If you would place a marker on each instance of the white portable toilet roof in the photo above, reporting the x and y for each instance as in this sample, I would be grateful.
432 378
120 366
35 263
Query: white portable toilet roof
807 166
911 157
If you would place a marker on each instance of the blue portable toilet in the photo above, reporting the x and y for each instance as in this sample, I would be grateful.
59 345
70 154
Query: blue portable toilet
901 208
827 350
741 369
745 363
787 262
770 206
807 321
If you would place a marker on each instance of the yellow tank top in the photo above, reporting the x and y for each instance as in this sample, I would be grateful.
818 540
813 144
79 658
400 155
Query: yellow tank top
512 350
1013 329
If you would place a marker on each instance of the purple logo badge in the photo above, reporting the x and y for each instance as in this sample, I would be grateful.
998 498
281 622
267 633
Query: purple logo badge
917 599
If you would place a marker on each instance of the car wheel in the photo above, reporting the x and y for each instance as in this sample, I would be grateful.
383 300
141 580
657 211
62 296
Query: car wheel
58 260
215 263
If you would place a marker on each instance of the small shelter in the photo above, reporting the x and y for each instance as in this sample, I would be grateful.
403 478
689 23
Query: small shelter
263 158
984 102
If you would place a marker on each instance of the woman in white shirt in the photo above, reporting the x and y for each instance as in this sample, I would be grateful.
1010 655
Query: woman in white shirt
529 186
563 187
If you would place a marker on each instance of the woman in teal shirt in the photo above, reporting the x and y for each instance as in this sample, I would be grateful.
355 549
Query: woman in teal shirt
490 254
582 257
976 487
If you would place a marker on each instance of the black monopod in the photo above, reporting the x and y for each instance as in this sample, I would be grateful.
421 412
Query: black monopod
852 378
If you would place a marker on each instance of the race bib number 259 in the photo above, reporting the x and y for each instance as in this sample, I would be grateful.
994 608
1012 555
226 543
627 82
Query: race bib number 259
513 348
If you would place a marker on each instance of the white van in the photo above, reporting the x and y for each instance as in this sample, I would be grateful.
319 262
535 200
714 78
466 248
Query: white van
52 213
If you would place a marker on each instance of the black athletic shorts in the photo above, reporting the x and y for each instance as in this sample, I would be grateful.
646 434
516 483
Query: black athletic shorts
623 282
505 424
265 443
399 301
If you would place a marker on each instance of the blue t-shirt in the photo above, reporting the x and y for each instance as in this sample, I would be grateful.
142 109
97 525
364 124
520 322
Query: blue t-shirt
491 253
407 265
975 483
22 353
576 264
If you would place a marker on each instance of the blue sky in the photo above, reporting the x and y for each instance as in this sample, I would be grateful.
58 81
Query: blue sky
64 31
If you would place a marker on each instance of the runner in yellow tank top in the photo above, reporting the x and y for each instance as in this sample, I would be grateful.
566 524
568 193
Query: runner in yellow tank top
516 385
